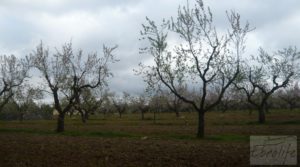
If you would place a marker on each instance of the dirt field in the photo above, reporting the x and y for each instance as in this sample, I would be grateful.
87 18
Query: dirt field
129 141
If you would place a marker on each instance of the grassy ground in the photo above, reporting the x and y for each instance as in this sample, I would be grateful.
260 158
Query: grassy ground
129 141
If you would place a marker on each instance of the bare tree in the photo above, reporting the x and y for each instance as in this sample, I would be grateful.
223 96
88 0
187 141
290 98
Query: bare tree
107 104
204 59
290 95
232 98
265 75
121 103
173 102
143 104
24 96
67 74
156 103
56 74
92 101
88 72
46 111
13 72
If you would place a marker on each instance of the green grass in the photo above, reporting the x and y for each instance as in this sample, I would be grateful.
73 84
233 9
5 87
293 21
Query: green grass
27 131
289 122
109 134
226 138
229 126
175 137
116 134
240 123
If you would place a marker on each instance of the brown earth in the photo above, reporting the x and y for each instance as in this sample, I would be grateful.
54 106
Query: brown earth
29 150
128 141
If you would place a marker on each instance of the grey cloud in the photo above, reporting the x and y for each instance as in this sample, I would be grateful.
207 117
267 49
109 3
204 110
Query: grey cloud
91 23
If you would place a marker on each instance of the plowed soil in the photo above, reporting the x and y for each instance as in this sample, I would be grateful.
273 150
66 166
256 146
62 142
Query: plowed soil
129 141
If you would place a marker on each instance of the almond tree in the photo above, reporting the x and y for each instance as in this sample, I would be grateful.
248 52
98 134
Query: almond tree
203 58
88 72
173 102
265 74
231 100
121 103
142 102
13 72
92 101
67 74
290 95
24 97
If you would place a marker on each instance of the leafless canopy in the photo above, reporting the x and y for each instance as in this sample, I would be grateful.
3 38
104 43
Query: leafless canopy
266 74
67 74
13 72
204 57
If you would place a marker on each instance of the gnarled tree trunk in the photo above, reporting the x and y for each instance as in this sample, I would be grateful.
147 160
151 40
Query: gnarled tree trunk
60 122
200 131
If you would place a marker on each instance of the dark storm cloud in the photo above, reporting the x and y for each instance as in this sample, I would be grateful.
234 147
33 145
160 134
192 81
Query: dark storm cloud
91 23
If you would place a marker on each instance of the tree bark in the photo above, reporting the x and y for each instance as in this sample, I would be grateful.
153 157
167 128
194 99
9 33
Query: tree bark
154 116
261 115
177 113
200 132
266 107
250 111
21 116
291 106
86 115
61 122
71 114
142 112
82 117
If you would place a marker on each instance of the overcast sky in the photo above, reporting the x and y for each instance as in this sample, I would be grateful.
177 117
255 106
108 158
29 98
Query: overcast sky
91 23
